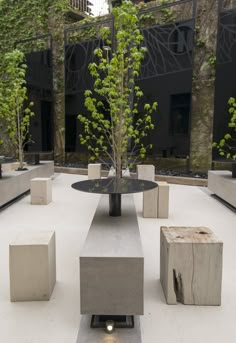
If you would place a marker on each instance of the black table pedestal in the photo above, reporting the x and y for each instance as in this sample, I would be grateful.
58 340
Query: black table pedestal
115 205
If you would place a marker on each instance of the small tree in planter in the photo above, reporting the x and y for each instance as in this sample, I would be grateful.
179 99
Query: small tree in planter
15 113
115 74
227 145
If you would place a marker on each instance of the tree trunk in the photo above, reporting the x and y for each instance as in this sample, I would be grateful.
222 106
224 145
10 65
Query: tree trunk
21 158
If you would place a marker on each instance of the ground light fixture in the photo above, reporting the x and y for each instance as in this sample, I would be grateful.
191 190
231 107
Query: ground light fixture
111 322
109 326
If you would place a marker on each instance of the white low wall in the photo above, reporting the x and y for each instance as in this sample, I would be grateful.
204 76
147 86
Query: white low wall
14 183
221 183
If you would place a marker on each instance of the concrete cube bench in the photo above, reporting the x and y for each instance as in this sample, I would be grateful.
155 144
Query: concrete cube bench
32 264
163 199
155 201
41 191
6 167
94 171
191 265
150 198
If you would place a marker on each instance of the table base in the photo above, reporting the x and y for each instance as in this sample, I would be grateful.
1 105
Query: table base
115 205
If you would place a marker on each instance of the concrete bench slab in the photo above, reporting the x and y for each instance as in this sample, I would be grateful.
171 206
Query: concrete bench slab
94 171
112 263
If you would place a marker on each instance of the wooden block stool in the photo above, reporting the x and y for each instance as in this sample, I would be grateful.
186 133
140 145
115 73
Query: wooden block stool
94 171
163 200
41 191
32 263
191 265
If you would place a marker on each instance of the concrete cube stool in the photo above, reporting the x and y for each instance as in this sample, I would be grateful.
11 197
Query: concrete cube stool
146 172
94 171
41 191
6 167
32 263
150 198
191 265
163 199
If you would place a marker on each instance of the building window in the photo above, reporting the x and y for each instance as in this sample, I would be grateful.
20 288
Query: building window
179 113
181 39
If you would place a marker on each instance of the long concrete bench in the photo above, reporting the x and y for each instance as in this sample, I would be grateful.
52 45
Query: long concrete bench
221 183
15 183
112 263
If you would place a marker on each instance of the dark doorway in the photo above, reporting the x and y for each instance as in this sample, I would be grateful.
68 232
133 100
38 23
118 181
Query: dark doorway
71 132
47 126
179 114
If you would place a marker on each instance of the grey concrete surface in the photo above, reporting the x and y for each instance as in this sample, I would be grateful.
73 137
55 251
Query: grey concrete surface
70 215
111 263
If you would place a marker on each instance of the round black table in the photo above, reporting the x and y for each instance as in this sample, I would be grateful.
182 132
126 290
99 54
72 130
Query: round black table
115 188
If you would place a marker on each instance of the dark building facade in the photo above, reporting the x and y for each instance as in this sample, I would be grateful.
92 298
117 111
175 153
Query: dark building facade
188 70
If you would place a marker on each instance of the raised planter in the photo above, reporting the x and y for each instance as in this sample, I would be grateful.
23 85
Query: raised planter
15 183
188 181
221 183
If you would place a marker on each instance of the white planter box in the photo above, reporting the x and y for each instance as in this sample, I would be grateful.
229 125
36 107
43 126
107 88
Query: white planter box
221 183
15 183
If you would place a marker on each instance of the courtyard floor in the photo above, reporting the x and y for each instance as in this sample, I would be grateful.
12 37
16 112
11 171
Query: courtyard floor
70 215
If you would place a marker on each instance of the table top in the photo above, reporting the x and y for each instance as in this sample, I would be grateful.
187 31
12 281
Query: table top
112 185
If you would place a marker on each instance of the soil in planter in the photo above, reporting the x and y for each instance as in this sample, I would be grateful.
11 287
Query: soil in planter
21 169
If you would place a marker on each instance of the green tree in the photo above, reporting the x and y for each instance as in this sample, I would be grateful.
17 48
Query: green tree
115 73
227 145
15 109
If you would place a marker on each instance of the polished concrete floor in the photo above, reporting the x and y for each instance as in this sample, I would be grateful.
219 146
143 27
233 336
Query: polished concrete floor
70 215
